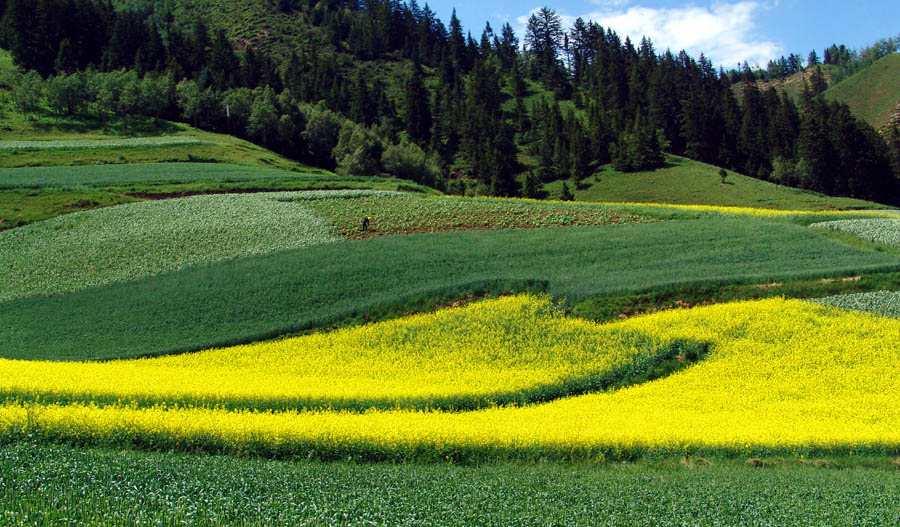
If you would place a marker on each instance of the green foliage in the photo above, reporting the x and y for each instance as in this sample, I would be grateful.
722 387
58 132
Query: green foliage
408 161
358 151
26 91
637 149
322 133
295 290
566 194
93 487
263 119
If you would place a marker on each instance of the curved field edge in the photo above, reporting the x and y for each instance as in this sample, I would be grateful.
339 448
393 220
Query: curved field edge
253 299
127 242
779 380
83 486
509 351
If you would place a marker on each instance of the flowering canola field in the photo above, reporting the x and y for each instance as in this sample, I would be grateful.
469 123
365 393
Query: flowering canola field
511 350
783 376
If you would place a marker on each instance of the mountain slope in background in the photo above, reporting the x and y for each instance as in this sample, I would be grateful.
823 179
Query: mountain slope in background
873 94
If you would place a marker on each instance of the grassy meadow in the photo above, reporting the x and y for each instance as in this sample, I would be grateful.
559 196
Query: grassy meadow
686 182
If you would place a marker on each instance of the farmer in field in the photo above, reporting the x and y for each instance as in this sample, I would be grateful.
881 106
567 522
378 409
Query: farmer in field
365 224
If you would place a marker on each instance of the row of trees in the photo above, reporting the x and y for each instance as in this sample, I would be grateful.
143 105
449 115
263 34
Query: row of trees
467 105
845 62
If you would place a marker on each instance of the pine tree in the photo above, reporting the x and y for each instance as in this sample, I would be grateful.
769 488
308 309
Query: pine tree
581 157
534 188
817 84
417 111
566 194
362 106
223 63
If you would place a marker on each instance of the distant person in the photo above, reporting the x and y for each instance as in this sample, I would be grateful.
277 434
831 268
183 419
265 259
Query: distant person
365 225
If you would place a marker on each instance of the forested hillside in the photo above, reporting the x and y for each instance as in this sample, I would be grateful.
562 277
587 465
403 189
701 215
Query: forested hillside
386 87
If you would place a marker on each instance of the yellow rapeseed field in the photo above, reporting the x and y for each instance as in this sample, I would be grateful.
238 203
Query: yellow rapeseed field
509 350
783 376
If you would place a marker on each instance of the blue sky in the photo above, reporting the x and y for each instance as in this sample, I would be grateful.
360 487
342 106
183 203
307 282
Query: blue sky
727 31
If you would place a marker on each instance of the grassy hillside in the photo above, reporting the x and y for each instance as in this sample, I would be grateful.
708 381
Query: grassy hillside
873 94
684 181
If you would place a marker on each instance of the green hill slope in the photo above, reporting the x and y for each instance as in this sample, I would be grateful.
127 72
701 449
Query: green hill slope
873 94
684 181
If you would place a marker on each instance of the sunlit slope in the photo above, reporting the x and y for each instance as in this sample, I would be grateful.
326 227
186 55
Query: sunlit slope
786 377
873 94
684 181
513 350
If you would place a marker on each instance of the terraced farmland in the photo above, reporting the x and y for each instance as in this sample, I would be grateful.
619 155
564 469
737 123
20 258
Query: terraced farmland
692 398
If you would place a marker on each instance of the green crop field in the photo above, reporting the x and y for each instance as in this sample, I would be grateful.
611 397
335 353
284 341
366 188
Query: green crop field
261 297
28 195
198 331
42 485
123 243
873 94
885 303
136 173
683 181
117 244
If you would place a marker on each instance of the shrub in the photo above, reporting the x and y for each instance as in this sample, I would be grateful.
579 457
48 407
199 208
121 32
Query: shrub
408 161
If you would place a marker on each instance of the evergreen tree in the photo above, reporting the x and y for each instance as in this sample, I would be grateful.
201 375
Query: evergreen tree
67 58
223 63
534 188
417 111
362 105
457 45
566 194
581 157
544 39
813 59
754 124
817 82
637 149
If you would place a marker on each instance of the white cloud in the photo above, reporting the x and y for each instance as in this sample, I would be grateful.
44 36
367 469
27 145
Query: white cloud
724 32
